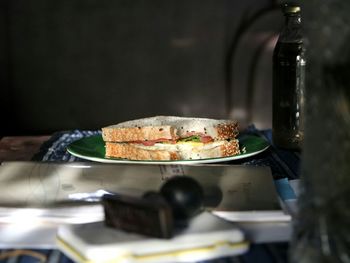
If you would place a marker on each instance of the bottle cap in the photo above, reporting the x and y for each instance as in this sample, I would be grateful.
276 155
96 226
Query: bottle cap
291 9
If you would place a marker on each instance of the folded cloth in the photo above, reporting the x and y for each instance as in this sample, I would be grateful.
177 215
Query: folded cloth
55 149
283 163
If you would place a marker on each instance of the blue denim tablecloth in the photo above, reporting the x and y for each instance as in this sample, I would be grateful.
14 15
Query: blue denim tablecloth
283 164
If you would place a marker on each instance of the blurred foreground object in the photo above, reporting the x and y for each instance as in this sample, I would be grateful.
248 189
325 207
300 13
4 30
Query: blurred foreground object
155 213
322 232
288 82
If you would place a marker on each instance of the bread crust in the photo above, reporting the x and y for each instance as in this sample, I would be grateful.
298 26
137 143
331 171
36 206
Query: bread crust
112 134
170 128
129 151
227 130
175 152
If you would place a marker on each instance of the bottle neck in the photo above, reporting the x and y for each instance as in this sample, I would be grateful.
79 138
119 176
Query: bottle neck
292 29
293 21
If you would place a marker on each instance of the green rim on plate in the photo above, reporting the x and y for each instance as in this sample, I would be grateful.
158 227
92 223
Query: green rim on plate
93 148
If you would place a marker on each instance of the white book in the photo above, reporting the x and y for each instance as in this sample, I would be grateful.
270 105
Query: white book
205 237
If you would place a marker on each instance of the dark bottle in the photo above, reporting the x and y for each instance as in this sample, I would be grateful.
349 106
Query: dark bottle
289 82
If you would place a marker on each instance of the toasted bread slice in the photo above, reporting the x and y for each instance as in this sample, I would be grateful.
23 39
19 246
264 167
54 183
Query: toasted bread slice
169 128
178 151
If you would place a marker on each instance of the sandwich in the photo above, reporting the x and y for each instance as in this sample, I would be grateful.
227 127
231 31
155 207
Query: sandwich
171 138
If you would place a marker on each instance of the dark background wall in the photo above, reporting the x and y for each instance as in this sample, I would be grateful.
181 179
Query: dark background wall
84 64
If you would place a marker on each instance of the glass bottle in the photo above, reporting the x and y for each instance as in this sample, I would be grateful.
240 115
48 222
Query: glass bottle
289 82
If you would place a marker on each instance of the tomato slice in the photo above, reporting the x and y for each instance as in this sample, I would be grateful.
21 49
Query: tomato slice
203 139
206 139
153 142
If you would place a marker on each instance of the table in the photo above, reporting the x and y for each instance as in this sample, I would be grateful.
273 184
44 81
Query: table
20 148
52 148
